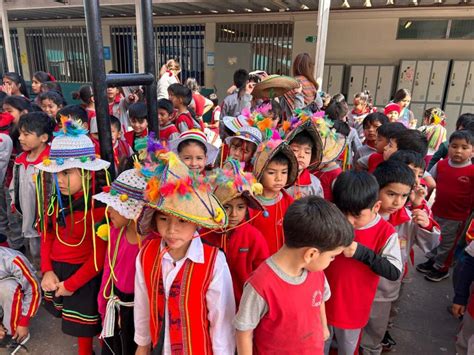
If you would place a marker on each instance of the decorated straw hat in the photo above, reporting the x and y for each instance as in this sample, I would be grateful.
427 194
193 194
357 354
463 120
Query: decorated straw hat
72 148
234 182
235 123
196 135
274 86
310 128
247 133
266 151
333 142
126 194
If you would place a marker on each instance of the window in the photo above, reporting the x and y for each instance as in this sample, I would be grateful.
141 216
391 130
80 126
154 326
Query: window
462 29
435 29
15 50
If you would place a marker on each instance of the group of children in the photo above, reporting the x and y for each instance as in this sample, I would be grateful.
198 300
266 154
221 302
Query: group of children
294 236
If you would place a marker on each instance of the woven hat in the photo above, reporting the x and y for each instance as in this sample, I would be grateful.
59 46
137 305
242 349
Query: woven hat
234 182
274 86
125 195
392 107
247 133
311 129
177 192
266 151
72 148
333 142
235 123
196 135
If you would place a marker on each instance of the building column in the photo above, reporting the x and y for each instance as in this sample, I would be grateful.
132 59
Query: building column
323 22
209 50
6 37
25 65
139 25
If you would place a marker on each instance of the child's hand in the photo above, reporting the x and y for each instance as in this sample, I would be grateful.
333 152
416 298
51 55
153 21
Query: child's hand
350 250
62 291
49 281
143 350
326 332
421 218
417 195
458 310
21 333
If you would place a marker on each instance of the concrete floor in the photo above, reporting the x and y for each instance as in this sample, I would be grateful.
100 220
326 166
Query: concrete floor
422 327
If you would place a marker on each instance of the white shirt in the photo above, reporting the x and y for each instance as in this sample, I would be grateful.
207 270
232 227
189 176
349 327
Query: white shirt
219 298
163 83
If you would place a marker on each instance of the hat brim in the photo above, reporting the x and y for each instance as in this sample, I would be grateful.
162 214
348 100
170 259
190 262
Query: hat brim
129 209
274 86
252 201
227 120
244 138
92 165
317 153
211 154
332 149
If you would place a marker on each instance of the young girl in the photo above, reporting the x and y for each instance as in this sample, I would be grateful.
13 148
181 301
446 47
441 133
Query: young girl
168 76
362 106
16 106
40 77
194 150
51 102
124 202
403 98
86 95
72 255
14 85
184 302
243 145
433 128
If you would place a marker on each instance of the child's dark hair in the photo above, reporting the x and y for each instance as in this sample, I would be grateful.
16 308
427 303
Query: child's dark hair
470 127
302 138
355 191
412 139
138 110
166 105
373 117
314 222
409 157
37 122
394 172
400 95
18 80
188 142
84 94
280 159
18 102
3 95
390 129
115 122
54 96
51 86
215 100
464 135
241 76
182 92
464 119
76 112
43 77
336 112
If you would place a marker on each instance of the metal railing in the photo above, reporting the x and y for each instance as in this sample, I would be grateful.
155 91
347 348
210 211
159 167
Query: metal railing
16 52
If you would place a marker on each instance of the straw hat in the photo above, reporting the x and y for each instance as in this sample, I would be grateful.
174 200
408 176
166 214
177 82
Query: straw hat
72 148
266 151
196 135
234 123
333 142
234 182
311 129
125 195
247 133
274 86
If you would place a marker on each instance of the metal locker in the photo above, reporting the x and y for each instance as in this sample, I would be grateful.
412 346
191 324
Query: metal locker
418 109
437 83
452 112
457 82
422 77
356 78
325 78
469 91
371 75
467 109
336 77
406 74
384 85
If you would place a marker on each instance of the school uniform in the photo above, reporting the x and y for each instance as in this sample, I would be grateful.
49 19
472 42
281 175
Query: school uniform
185 122
370 162
119 109
305 185
327 176
131 137
168 132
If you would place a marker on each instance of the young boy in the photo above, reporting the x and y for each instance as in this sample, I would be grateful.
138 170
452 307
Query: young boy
307 146
392 111
375 252
275 168
137 114
122 149
168 130
396 180
243 145
370 124
20 297
181 97
454 200
286 295
36 129
410 139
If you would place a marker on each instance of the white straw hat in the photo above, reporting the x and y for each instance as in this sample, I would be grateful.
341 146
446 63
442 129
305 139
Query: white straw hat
197 135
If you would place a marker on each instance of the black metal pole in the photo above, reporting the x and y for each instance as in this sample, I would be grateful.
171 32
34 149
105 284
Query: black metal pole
99 85
150 65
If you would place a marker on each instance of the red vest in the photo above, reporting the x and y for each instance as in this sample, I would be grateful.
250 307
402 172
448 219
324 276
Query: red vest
374 160
327 178
130 137
454 191
167 131
187 307
353 284
292 324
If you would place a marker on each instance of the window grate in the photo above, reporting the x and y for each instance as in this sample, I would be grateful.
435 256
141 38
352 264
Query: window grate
15 50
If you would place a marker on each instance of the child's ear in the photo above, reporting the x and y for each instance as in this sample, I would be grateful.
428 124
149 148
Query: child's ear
310 254
377 206
44 138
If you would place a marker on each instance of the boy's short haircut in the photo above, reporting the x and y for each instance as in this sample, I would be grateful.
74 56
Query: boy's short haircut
138 110
314 222
182 92
337 110
76 112
188 142
463 134
373 117
464 119
409 157
241 76
411 139
393 172
37 122
166 105
302 138
280 159
355 191
470 127
115 122
390 129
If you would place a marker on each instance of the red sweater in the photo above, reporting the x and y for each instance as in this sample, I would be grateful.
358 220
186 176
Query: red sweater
53 249
168 133
327 179
353 284
184 122
130 137
292 324
245 250
374 160
272 226
454 191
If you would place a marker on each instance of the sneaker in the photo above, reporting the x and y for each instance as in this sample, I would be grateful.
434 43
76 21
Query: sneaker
426 267
387 342
14 346
436 275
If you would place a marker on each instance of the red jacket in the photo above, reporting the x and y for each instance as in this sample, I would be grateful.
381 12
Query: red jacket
327 179
130 137
374 160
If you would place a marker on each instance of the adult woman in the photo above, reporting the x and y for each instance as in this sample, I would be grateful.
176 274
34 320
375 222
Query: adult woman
13 84
169 75
403 98
40 77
